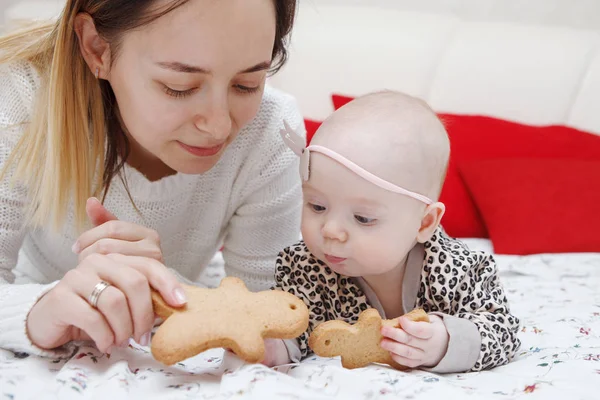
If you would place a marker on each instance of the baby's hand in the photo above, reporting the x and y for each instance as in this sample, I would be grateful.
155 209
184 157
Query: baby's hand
416 343
276 353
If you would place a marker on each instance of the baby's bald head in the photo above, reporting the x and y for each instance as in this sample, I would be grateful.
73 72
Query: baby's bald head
392 135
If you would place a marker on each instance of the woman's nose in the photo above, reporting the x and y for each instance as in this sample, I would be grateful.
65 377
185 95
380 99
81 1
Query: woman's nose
215 118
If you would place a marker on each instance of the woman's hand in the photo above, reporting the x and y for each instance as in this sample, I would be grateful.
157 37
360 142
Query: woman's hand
123 309
109 235
129 259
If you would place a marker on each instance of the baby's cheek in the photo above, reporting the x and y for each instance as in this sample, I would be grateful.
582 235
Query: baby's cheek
373 252
310 231
391 252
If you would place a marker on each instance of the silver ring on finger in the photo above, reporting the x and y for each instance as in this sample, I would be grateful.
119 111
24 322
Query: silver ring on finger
95 295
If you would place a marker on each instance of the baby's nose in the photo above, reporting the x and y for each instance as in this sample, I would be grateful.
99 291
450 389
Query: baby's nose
334 231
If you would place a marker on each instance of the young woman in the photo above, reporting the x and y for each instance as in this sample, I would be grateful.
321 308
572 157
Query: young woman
159 109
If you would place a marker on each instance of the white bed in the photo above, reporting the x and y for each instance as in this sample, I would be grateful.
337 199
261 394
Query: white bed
535 62
556 296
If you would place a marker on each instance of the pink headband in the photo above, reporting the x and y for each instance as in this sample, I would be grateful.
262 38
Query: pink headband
296 143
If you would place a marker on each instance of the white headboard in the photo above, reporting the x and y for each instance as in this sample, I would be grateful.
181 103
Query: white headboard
533 61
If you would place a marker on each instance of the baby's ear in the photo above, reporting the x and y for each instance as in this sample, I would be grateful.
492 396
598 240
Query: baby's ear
431 220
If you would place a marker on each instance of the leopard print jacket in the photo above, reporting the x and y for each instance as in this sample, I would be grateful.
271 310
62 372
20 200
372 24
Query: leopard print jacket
454 280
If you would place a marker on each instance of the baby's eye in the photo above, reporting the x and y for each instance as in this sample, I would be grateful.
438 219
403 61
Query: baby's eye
364 220
316 207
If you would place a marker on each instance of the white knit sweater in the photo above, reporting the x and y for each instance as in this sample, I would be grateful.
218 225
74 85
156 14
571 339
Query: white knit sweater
250 202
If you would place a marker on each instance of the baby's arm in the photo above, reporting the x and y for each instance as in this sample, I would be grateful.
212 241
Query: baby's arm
276 352
483 332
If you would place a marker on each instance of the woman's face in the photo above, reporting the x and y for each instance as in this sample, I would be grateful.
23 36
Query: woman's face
188 82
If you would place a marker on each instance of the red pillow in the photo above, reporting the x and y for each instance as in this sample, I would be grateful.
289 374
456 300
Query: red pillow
537 205
478 137
311 128
339 100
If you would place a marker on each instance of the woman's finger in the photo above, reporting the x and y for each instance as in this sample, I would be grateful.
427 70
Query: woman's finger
97 213
83 316
115 230
112 302
159 277
105 246
136 289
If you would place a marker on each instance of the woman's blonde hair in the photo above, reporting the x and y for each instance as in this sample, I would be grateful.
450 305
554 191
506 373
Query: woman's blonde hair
74 144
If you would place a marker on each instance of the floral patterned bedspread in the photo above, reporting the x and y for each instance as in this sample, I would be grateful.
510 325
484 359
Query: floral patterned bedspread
557 298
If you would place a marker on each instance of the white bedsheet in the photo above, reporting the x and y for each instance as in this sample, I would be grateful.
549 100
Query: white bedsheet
557 298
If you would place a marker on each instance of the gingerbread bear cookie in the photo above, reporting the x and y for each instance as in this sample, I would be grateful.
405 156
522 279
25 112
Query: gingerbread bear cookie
229 316
358 344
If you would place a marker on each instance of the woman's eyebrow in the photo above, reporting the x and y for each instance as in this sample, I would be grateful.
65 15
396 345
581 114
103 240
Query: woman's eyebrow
181 67
258 67
192 69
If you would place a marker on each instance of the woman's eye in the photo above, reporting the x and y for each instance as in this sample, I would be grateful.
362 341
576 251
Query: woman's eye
364 220
178 94
247 89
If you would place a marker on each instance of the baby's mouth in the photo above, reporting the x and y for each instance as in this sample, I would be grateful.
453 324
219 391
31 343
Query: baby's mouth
334 259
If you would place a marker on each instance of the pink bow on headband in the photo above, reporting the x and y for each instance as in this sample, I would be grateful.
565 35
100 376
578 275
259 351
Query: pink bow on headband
296 143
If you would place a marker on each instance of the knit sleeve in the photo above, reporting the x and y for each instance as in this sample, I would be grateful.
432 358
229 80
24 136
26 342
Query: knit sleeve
15 299
267 219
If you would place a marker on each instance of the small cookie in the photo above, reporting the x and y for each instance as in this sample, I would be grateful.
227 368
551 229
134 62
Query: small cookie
358 344
229 316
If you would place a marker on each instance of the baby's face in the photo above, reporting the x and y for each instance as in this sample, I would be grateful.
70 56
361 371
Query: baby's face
355 227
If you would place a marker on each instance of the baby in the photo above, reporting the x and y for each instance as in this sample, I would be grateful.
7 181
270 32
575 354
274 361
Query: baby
372 239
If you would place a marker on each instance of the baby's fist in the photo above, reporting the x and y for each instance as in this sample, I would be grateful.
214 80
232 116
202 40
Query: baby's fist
416 344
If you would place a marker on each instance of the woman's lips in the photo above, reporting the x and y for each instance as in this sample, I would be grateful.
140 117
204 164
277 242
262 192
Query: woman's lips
202 151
